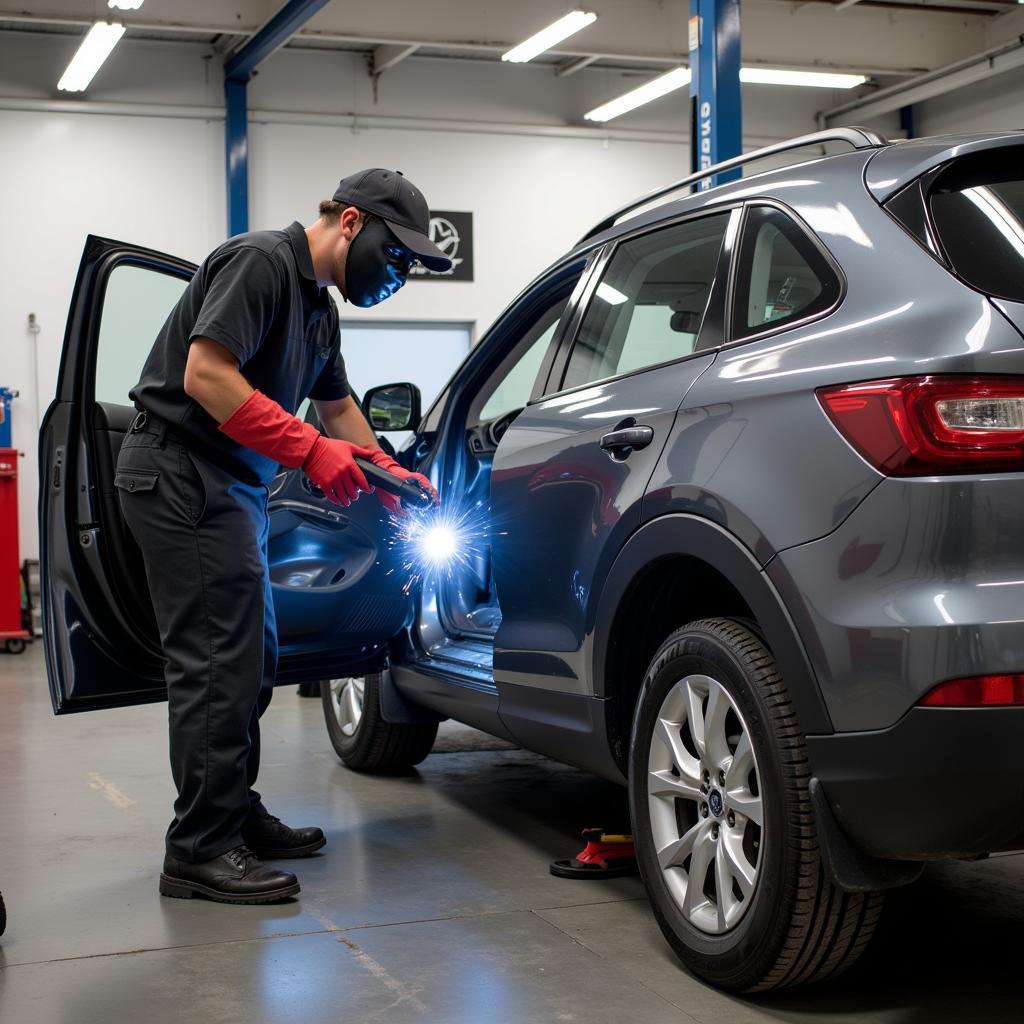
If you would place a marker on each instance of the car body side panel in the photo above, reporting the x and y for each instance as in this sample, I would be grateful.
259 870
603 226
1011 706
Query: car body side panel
923 583
561 510
752 448
701 539
1013 311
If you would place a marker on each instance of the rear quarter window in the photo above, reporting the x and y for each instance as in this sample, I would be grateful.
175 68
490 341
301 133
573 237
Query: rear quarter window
977 208
782 276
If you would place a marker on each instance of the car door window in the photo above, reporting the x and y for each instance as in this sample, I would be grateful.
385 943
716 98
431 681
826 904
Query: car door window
136 303
511 386
650 303
513 390
782 276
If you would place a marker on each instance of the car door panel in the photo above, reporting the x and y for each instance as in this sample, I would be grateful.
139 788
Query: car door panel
330 584
561 509
571 472
337 607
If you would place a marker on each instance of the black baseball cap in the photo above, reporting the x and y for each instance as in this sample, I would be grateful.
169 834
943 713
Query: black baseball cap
393 198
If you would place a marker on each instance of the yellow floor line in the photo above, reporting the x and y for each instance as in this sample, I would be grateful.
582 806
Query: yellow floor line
110 791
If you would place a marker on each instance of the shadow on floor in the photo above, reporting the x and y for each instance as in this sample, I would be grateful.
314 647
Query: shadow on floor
947 950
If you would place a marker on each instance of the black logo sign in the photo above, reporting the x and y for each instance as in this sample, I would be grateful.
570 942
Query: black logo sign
452 233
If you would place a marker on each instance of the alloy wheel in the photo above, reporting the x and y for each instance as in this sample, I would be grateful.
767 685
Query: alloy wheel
347 701
704 799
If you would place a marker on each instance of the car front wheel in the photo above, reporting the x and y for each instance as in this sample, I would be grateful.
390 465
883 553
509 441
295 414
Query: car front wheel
722 815
359 734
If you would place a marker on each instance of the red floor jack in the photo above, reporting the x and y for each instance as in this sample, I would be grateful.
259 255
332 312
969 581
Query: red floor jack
12 631
604 856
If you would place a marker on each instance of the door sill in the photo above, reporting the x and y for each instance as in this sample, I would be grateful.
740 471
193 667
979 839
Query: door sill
465 658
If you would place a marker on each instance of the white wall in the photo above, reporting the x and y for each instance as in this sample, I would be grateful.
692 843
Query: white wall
63 176
996 105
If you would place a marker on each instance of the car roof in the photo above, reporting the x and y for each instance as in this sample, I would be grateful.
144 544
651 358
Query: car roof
760 184
895 166
884 168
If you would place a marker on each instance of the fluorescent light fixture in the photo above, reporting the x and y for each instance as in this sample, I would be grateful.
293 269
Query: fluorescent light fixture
550 36
95 49
678 77
657 87
610 295
124 5
815 79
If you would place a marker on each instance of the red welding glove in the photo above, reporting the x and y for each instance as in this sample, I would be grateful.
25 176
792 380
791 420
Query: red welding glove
261 424
331 465
392 502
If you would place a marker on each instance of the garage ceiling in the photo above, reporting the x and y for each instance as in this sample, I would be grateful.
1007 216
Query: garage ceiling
885 38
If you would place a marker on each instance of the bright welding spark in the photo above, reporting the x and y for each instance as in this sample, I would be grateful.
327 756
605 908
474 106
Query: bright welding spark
440 543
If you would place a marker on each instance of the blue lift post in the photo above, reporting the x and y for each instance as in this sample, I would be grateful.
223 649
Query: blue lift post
716 126
237 71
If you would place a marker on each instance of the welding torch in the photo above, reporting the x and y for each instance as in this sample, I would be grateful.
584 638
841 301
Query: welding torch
408 491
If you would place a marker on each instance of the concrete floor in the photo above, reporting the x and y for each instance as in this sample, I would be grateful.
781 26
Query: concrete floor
431 902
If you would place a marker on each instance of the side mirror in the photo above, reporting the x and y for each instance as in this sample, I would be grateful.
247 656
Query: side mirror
393 406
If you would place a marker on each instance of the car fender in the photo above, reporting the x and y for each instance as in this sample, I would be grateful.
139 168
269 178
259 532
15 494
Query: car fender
706 541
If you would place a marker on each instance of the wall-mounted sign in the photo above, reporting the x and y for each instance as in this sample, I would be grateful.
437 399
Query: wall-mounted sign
452 233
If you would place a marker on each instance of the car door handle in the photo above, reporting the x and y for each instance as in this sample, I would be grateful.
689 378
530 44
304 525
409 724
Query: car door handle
309 512
619 443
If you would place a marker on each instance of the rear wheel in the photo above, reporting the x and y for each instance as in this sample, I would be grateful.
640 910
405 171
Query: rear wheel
359 734
721 810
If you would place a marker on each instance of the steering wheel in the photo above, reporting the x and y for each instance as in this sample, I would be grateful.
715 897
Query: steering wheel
496 428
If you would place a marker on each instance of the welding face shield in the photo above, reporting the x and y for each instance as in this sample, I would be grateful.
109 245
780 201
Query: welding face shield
377 264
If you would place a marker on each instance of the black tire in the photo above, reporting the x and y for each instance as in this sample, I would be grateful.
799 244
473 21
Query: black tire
376 745
16 646
798 927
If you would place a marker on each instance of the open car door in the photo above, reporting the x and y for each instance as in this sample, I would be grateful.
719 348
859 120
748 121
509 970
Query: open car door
338 596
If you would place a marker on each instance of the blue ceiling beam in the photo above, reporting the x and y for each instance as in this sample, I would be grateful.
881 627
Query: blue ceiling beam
237 70
717 120
273 35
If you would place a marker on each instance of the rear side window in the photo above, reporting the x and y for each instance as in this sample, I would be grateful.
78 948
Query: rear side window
977 207
782 276
650 303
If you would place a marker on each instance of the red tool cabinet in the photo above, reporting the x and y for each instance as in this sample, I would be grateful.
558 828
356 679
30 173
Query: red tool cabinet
11 631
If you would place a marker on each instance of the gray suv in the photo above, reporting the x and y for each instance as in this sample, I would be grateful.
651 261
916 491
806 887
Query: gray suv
733 499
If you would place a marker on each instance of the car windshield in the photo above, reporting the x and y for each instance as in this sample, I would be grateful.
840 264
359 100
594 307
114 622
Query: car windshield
977 205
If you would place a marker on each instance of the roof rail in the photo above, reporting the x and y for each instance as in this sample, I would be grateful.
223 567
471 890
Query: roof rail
858 138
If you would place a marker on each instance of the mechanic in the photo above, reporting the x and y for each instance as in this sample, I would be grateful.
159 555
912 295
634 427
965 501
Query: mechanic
253 335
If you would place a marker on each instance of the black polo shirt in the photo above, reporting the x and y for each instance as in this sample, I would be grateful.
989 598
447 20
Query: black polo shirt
257 296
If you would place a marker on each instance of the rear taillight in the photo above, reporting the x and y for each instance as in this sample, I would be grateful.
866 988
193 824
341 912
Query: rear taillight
923 426
977 692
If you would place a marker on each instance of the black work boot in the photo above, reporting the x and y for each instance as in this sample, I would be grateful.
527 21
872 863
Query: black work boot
270 837
233 877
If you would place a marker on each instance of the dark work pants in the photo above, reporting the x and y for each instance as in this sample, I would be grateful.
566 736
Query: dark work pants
203 535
